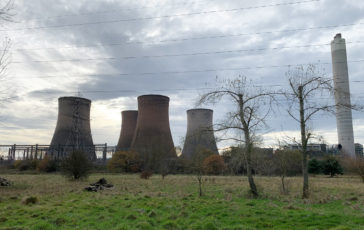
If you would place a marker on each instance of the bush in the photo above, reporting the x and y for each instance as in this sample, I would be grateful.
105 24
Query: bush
288 162
214 164
353 165
23 165
331 166
47 164
146 174
360 167
314 166
17 164
76 165
234 160
30 200
124 161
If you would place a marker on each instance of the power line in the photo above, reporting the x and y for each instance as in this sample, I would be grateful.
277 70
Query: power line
162 17
118 10
191 71
157 90
181 54
188 38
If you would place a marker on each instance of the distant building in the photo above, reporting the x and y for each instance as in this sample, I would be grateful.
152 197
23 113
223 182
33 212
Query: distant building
336 149
359 149
313 149
333 150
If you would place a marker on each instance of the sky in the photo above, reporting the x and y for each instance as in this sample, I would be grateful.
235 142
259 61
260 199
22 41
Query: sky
113 51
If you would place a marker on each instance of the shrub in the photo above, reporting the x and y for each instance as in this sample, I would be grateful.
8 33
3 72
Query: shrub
214 164
360 167
17 163
197 166
314 166
146 174
331 166
30 200
288 162
234 160
354 165
124 161
23 165
76 165
47 164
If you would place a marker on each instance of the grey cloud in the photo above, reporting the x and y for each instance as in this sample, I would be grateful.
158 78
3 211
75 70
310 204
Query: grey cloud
130 86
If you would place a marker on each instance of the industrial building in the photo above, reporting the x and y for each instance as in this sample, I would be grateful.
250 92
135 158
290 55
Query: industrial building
359 150
313 149
73 131
128 125
152 138
200 134
342 96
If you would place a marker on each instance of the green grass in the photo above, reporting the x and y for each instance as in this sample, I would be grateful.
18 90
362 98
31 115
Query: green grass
172 203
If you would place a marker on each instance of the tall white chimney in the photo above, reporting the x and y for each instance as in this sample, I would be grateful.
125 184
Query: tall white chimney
344 118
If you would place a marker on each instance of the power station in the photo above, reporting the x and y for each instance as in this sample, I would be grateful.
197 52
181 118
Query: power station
152 137
342 96
200 134
128 125
73 131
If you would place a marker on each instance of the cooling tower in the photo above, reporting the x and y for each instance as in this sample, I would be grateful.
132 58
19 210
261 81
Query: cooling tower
199 132
73 130
128 124
152 138
342 95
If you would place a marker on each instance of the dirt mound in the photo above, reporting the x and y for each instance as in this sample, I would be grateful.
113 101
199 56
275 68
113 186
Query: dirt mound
99 185
4 182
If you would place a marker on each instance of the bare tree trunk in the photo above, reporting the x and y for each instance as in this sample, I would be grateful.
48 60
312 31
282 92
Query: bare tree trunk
199 178
304 139
305 193
283 185
253 188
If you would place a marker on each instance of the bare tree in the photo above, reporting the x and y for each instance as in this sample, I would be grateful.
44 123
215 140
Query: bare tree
307 87
286 163
198 167
251 105
6 10
6 15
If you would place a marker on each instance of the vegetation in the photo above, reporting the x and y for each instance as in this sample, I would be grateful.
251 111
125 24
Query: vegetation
307 84
251 106
213 165
286 162
197 166
314 166
76 165
146 174
331 166
124 161
172 203
23 165
47 164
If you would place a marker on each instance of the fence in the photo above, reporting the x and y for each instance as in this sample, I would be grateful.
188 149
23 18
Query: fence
29 152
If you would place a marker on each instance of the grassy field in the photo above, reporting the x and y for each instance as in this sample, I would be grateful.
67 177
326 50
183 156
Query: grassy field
173 203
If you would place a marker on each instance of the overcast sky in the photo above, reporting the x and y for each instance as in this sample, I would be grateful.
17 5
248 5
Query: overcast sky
113 51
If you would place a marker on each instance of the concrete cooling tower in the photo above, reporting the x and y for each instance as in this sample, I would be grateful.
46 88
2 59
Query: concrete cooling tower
342 95
73 131
199 132
153 138
128 125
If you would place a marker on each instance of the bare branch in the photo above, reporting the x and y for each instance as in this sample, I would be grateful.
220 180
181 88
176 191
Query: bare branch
7 11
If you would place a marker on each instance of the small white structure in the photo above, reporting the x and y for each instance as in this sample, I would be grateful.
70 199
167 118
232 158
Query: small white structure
342 96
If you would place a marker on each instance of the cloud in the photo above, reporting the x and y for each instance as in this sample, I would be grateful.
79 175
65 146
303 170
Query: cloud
113 81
